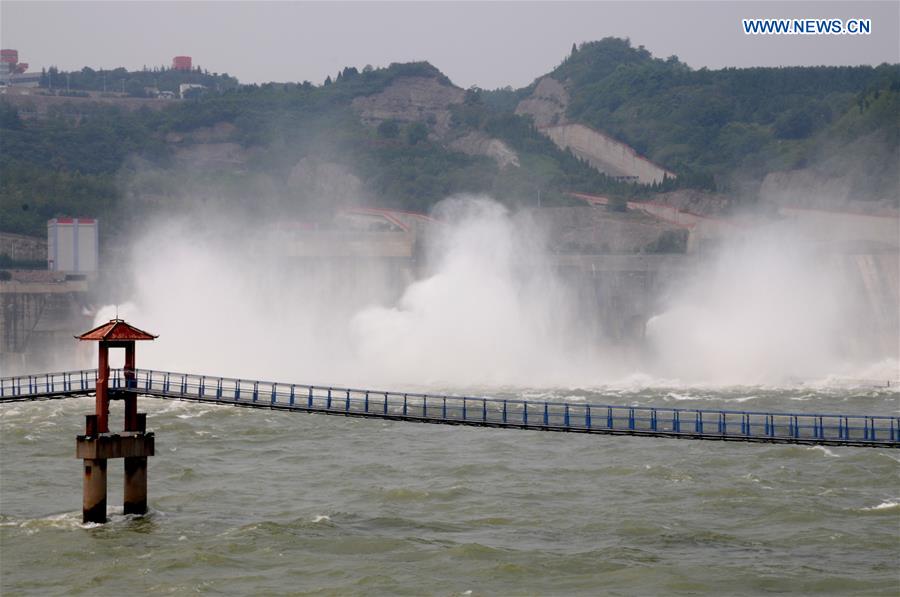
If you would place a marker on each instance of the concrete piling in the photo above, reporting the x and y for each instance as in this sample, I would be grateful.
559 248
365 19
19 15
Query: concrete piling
94 499
136 485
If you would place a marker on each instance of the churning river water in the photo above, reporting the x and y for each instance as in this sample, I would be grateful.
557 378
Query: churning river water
259 502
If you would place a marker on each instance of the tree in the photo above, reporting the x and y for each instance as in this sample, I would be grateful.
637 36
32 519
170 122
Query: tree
416 132
574 49
388 129
135 88
796 124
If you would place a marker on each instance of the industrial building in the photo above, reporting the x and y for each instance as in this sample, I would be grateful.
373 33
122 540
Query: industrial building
72 245
13 72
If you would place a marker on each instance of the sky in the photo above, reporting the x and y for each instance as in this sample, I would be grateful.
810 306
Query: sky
488 44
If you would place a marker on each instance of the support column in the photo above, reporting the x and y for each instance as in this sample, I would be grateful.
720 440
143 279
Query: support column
135 495
93 507
102 391
130 399
136 485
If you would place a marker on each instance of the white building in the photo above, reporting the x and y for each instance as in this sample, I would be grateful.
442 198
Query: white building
72 245
187 87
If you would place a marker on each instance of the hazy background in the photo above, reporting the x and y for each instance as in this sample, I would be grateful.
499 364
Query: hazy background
490 44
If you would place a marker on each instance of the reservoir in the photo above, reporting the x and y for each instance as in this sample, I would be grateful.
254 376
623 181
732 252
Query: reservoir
252 501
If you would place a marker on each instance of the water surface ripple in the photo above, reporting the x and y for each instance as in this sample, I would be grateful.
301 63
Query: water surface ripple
258 502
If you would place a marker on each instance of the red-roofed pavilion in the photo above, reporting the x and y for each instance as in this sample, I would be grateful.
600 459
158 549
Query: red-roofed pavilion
115 334
97 445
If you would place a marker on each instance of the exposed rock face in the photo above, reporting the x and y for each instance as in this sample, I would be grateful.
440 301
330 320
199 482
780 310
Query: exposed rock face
547 104
424 99
606 154
477 143
411 99
547 107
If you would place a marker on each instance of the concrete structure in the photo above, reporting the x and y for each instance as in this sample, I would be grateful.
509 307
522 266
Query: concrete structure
38 311
13 72
98 445
72 245
9 59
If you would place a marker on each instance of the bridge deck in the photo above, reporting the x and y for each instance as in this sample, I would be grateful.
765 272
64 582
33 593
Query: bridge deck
724 425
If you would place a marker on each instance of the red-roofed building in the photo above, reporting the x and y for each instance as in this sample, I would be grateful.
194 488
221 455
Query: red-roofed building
115 334
116 330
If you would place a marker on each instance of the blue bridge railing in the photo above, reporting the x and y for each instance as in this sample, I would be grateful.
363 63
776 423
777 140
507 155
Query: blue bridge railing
729 425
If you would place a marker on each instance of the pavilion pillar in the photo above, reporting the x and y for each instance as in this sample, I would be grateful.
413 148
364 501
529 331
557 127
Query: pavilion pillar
102 394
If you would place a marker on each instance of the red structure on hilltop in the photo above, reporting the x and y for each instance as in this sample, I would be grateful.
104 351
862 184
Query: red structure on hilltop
181 63
10 61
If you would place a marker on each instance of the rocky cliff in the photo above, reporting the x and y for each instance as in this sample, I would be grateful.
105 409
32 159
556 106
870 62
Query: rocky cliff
411 99
547 103
477 143
547 107
606 154
429 100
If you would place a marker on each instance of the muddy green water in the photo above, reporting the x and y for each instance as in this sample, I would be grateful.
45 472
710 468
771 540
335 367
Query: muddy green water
257 502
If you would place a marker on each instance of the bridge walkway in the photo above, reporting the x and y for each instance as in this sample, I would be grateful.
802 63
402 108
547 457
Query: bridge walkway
825 429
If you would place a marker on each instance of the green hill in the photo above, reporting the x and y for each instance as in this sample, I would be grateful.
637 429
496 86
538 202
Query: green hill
241 144
732 122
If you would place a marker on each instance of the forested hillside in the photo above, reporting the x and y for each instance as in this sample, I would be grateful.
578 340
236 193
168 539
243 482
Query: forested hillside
255 146
747 121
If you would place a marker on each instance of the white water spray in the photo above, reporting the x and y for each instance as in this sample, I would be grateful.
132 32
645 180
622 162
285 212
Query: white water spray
490 312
